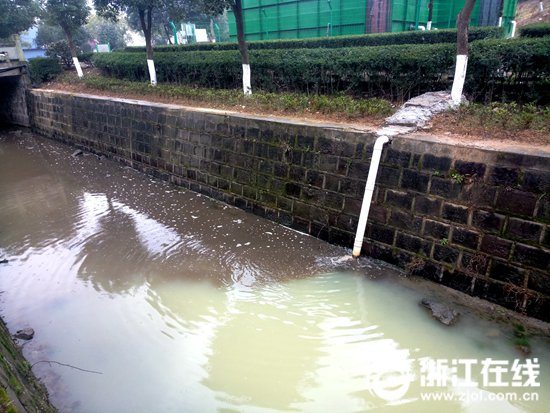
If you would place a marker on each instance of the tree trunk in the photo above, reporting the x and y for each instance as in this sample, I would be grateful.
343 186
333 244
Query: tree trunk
72 48
212 32
430 14
145 18
19 48
167 33
70 41
462 24
243 48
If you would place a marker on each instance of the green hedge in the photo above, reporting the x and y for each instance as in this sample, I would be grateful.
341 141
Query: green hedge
535 30
44 69
382 39
508 69
391 70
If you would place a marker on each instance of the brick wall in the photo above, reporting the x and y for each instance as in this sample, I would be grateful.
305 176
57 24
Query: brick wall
474 220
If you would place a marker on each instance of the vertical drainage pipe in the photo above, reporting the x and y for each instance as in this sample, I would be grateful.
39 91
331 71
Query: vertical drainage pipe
367 197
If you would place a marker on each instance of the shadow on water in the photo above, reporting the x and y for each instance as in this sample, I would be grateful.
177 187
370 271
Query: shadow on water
186 304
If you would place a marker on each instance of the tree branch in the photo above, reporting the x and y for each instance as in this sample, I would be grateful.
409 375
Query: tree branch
65 365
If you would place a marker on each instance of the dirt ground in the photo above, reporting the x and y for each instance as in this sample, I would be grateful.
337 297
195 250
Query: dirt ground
528 12
361 123
449 124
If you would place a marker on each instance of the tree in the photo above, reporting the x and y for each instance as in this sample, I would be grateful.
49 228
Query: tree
216 7
145 10
462 25
161 32
46 35
430 14
171 11
111 9
70 15
17 16
106 31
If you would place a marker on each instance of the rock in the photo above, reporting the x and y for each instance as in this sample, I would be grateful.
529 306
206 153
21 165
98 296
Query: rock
524 350
419 110
410 116
25 334
391 131
441 312
4 261
76 153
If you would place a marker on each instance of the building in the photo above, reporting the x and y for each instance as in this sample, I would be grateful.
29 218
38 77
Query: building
284 19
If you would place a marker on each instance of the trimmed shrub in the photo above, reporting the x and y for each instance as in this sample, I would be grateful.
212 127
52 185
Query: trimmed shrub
85 57
61 51
44 69
535 30
392 71
379 39
498 69
514 70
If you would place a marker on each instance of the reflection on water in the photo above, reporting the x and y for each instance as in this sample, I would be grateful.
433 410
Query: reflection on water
185 304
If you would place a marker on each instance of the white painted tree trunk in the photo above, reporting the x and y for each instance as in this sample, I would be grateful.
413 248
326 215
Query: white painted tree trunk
541 6
247 87
513 32
19 48
77 66
152 72
429 25
460 77
500 21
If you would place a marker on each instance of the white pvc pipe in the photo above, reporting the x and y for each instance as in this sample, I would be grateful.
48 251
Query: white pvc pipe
429 25
514 24
247 88
77 66
367 197
460 77
500 21
152 71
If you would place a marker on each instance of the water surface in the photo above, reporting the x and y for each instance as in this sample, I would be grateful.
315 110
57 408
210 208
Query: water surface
185 304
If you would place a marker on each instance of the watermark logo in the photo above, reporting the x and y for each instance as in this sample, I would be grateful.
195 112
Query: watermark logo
462 375
494 373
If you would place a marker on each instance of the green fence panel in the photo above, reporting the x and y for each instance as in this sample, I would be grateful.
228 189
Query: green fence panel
285 19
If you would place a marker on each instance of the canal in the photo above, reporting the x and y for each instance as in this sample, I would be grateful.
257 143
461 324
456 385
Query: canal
150 298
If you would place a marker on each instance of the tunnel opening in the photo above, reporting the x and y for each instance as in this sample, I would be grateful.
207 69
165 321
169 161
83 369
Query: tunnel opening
13 102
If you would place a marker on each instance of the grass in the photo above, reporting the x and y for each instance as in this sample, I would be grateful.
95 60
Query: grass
294 103
502 121
506 116
6 404
521 338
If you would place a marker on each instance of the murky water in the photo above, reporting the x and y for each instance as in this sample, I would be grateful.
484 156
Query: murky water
177 303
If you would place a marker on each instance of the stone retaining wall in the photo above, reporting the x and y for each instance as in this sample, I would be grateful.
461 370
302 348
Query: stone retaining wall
472 219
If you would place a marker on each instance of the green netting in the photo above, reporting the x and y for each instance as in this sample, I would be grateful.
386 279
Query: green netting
283 19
